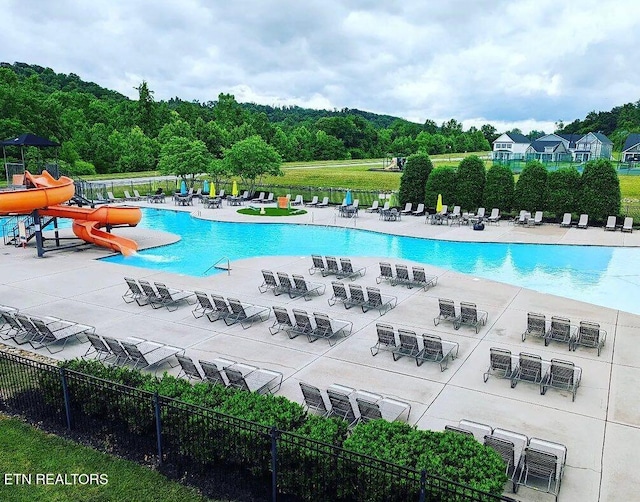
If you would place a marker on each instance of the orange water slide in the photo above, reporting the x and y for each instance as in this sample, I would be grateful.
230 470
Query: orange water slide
45 193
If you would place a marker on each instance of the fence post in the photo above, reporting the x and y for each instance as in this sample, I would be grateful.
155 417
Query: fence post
65 393
423 484
156 409
274 464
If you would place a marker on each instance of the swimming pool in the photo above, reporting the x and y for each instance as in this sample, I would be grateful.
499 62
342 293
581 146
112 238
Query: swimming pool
600 275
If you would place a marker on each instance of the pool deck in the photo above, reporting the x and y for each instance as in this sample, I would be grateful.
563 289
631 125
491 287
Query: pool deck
601 429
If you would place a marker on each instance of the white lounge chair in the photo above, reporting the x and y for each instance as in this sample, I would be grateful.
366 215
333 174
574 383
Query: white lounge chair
628 224
583 222
611 224
566 220
494 217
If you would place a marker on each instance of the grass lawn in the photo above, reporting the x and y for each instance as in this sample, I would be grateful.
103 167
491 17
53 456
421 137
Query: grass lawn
271 211
26 450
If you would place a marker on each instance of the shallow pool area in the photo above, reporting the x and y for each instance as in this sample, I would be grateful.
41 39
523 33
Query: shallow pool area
606 276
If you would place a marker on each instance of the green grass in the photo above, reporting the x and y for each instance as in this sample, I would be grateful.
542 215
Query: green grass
26 450
271 211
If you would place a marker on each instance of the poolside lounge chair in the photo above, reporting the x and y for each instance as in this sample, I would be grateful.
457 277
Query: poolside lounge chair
305 288
341 406
145 354
510 446
324 203
480 212
529 369
494 217
253 379
402 276
386 273
566 220
536 326
627 226
499 364
245 313
120 354
386 339
111 198
422 280
222 309
560 331
55 331
541 467
302 326
447 312
98 348
318 265
286 286
298 201
375 207
419 210
259 198
328 328
152 296
522 218
455 214
611 224
313 399
348 272
458 430
471 316
313 202
563 375
203 305
188 368
374 407
268 199
583 222
590 335
537 218
407 208
282 320
25 329
270 283
245 195
339 295
128 197
332 266
171 298
356 296
134 293
137 195
436 350
376 300
213 371
477 429
408 344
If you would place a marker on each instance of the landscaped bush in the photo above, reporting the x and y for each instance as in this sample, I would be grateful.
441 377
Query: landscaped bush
531 189
499 188
470 183
599 190
441 181
563 186
414 178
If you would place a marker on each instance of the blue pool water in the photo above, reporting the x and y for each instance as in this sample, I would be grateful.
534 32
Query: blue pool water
600 275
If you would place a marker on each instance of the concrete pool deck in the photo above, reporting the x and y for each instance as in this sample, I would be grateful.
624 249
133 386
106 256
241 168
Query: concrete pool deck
601 429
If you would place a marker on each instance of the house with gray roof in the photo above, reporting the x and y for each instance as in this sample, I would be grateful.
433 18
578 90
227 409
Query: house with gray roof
548 151
582 147
510 146
631 148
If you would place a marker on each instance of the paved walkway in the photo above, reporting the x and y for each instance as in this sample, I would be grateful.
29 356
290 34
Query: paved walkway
601 429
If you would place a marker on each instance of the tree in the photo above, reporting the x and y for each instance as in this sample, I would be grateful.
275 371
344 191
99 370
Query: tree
531 189
139 153
252 158
599 190
414 177
328 147
499 188
489 132
471 179
145 113
563 187
441 181
185 158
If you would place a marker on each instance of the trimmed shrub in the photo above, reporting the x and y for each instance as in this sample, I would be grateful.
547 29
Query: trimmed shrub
531 188
599 190
441 181
499 188
470 183
414 178
563 187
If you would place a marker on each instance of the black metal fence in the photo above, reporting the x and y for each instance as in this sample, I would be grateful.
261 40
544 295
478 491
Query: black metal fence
183 438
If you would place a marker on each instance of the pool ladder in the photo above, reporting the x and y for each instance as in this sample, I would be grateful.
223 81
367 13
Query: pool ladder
221 267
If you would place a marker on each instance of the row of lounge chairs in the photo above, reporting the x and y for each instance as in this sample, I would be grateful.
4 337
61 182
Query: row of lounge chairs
627 226
524 218
356 298
418 277
433 349
39 332
535 463
353 405
132 351
229 373
299 287
557 373
583 222
587 333
456 216
230 310
143 293
468 315
314 202
343 271
314 328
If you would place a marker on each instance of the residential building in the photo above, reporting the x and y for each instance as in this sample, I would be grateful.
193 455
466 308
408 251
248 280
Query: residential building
510 146
631 148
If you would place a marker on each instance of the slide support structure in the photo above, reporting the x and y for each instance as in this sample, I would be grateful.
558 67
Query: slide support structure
38 228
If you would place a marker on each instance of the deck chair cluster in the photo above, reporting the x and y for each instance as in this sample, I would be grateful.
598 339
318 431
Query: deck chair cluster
404 342
314 202
157 295
231 310
408 209
353 406
314 327
368 299
531 462
467 315
559 329
583 221
524 367
328 265
295 286
47 332
417 279
261 199
131 351
222 371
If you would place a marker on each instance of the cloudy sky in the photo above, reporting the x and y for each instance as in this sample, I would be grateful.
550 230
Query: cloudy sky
515 63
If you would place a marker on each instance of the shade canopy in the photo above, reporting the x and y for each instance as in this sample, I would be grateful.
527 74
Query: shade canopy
29 139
